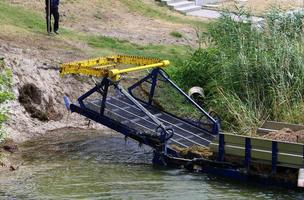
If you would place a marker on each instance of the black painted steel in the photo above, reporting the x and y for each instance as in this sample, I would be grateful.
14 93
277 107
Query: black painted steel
124 111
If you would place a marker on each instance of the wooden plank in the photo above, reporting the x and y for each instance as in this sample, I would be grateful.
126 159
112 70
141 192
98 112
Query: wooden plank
229 149
263 144
280 125
235 139
290 148
239 140
284 159
261 154
234 150
213 147
264 131
232 139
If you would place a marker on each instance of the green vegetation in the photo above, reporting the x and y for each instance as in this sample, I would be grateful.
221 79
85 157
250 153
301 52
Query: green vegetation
5 93
20 17
176 34
250 74
106 46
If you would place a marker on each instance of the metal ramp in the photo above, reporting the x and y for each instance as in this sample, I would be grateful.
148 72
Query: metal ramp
134 117
122 109
139 116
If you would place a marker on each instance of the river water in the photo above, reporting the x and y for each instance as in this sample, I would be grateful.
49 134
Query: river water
81 166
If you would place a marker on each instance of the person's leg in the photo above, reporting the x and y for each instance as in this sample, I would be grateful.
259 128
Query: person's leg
56 18
48 16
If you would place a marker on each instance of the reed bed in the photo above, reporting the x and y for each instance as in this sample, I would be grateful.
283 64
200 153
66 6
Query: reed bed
249 73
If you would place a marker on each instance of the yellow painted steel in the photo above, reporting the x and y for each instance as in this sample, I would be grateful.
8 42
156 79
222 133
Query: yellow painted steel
107 66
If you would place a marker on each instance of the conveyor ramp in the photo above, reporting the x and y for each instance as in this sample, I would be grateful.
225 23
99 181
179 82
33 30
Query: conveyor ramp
185 134
136 115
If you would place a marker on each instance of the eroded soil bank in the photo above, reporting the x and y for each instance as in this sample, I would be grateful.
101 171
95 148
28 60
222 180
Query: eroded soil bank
39 90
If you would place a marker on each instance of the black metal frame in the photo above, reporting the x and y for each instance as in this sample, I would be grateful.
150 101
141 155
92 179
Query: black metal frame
154 76
162 133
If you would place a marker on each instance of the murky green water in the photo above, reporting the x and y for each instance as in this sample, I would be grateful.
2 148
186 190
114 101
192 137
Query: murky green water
77 166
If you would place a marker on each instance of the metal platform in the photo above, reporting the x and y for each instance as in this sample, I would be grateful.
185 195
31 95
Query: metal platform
126 112
123 110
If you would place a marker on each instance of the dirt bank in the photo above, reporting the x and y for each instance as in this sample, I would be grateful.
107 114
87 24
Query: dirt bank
31 68
34 57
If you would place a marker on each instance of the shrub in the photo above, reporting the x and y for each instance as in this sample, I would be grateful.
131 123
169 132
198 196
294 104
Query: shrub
176 34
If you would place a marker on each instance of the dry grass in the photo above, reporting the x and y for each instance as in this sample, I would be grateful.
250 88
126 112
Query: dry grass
193 151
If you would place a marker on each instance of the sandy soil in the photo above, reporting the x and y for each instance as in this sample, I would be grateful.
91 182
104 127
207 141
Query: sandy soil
37 66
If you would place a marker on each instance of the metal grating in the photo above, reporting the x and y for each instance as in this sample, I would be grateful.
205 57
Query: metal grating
124 111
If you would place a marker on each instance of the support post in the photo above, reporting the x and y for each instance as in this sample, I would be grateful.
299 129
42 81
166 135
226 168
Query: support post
303 158
221 147
48 15
153 85
216 128
105 83
274 157
247 153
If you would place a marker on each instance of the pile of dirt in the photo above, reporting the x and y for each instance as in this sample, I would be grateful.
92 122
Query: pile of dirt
30 96
194 151
286 135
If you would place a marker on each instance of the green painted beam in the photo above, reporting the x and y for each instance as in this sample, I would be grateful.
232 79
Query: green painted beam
289 154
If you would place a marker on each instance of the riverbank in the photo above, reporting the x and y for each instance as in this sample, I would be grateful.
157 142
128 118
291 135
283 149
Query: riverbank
108 167
33 56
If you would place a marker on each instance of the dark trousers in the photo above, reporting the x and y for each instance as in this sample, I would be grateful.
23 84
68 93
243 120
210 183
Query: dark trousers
55 13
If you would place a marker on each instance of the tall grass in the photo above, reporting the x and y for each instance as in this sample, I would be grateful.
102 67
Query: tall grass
251 74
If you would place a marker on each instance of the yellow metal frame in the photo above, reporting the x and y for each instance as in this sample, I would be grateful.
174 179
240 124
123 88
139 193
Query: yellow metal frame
106 66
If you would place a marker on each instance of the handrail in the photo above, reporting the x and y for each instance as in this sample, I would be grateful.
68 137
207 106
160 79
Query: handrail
106 66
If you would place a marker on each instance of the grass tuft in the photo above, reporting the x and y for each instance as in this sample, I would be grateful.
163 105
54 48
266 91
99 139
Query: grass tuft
176 34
